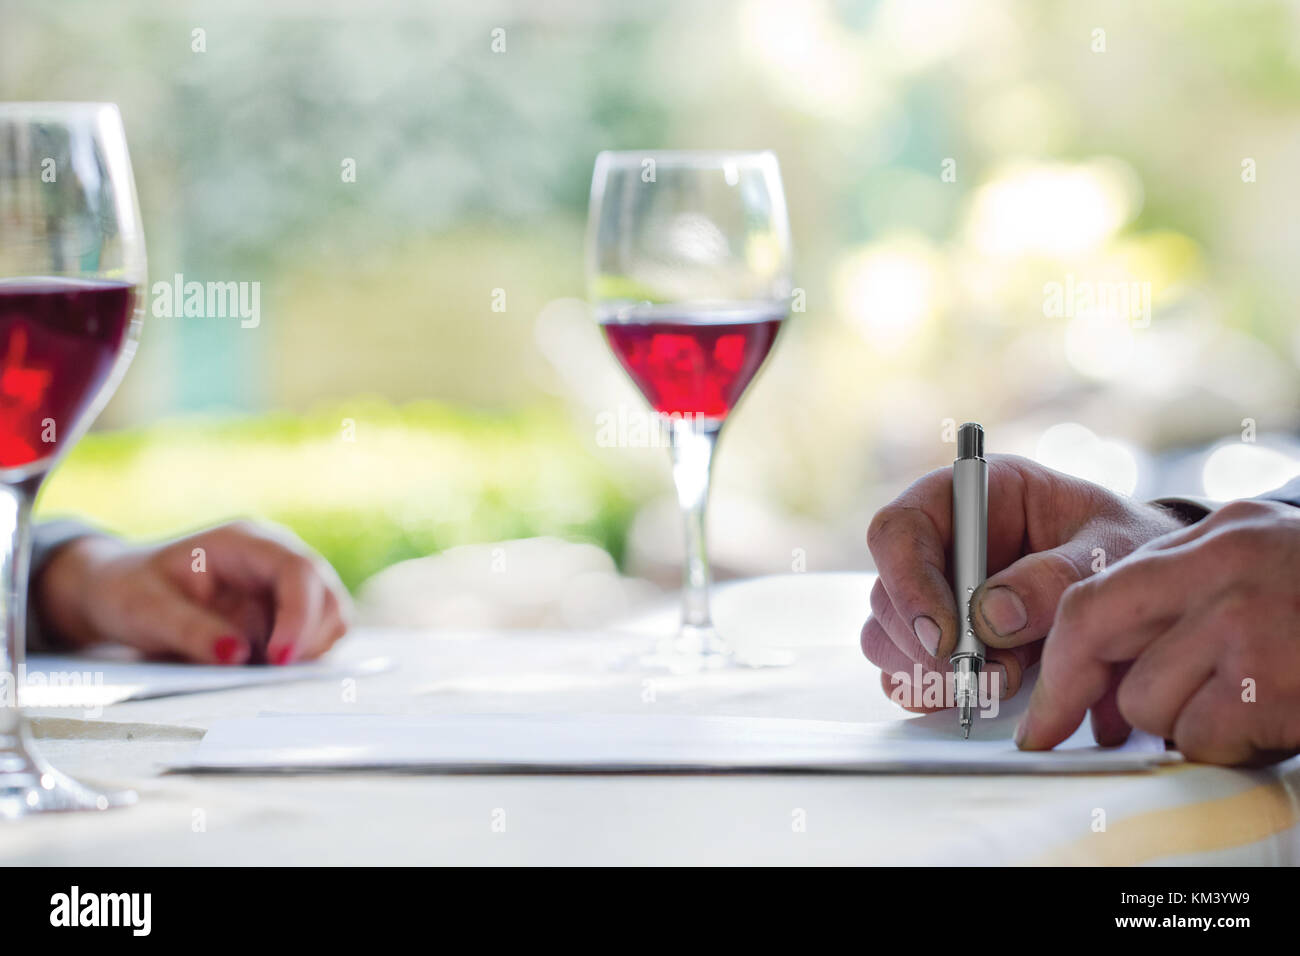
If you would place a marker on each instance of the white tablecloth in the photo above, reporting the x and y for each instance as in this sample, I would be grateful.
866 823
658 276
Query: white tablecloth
1175 815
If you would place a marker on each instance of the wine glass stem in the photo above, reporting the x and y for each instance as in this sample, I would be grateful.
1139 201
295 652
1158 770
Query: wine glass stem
15 553
692 442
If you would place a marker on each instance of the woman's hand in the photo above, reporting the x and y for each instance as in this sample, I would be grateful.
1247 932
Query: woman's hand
1194 637
1047 531
239 593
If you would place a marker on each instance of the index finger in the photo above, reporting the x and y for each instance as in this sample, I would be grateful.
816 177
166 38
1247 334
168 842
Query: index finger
299 584
908 540
1103 621
299 604
252 555
272 561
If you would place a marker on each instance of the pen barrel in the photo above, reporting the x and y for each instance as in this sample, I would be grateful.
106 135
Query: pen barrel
970 517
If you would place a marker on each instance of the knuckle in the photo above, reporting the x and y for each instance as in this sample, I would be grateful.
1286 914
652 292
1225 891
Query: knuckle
1137 705
1236 543
1240 509
897 528
1059 571
1241 654
1073 605
240 528
878 531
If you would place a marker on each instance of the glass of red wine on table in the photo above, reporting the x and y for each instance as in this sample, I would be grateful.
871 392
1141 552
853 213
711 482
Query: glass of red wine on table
688 270
72 267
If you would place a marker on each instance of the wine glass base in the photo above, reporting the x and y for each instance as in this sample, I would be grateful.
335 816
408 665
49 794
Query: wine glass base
29 786
694 650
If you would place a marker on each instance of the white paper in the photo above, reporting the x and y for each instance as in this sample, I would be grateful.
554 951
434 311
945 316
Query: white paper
604 743
65 681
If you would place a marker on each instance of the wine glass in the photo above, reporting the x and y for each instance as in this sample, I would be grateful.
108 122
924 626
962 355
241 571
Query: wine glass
688 269
72 269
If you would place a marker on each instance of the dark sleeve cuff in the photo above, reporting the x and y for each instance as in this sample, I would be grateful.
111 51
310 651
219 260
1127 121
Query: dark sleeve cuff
1193 510
47 538
1188 510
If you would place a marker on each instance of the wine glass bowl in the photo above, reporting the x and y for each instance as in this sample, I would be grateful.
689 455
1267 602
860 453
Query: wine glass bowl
687 227
72 270
688 271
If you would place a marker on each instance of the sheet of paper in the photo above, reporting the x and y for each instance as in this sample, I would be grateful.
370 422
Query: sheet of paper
66 681
613 743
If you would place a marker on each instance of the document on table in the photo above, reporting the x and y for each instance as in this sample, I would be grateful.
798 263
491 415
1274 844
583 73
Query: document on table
52 680
628 743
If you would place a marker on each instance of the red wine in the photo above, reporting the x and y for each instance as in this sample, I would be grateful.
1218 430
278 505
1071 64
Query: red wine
59 339
693 363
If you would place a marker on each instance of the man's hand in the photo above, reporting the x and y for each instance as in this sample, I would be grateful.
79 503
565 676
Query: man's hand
1046 532
235 594
1194 637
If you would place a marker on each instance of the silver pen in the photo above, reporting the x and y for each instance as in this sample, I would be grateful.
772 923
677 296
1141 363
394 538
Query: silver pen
970 533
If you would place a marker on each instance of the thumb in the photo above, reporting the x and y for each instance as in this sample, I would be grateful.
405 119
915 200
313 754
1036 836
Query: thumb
176 625
1017 605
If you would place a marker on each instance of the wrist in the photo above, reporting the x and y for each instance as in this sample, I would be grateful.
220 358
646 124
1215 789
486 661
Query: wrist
1167 518
65 585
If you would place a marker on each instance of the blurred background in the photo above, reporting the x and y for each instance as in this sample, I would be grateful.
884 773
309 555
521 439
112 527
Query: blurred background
1072 222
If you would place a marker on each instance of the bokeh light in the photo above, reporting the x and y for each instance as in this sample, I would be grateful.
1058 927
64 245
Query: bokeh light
1077 450
889 292
1244 469
1053 209
1099 345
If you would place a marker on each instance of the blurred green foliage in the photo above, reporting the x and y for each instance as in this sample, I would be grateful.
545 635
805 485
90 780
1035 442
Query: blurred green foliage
365 483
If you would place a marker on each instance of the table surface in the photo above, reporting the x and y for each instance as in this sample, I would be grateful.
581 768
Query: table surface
1176 815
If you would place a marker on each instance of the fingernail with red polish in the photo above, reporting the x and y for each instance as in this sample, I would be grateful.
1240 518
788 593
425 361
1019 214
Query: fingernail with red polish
927 632
283 656
230 649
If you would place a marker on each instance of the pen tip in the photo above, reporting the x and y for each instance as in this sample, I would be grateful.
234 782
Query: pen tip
966 732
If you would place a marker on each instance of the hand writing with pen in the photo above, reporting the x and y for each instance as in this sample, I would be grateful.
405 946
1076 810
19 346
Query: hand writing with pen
1190 631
